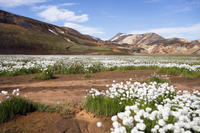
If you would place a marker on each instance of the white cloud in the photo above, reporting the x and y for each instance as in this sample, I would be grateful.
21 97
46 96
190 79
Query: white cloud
68 4
84 29
14 3
54 14
191 32
41 7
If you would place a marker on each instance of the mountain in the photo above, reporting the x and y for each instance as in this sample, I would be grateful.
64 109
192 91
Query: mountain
152 43
22 35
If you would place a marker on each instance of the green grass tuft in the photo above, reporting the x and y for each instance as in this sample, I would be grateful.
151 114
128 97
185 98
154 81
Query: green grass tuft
73 68
59 108
124 68
14 106
179 71
158 80
22 71
103 105
47 74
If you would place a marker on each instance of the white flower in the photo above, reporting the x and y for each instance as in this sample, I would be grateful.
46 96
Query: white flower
115 124
134 130
99 124
114 118
148 109
188 131
141 126
4 92
161 122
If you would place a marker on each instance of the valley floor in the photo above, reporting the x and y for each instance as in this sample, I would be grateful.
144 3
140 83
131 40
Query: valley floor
71 88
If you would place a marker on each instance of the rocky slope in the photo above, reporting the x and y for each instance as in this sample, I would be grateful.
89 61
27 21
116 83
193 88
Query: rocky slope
152 43
22 35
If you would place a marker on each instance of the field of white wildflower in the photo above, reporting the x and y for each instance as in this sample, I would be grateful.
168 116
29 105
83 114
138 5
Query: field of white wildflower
134 107
152 107
12 62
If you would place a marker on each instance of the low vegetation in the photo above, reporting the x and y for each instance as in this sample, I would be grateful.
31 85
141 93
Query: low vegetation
63 109
102 105
45 75
80 68
13 105
156 78
180 71
141 107
22 71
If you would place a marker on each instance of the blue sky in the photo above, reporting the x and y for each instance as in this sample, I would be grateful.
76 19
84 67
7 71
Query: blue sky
105 18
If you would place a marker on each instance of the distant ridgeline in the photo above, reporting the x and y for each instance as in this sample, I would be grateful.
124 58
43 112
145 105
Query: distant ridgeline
22 35
152 43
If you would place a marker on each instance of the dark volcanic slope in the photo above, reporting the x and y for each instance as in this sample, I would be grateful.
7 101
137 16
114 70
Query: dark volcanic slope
22 35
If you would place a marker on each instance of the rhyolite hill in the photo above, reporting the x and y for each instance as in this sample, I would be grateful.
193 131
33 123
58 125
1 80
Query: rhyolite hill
152 43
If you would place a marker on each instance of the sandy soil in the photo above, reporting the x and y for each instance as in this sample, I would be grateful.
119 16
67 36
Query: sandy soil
38 122
71 88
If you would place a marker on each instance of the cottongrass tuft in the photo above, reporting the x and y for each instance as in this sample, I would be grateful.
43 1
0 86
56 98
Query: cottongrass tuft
153 107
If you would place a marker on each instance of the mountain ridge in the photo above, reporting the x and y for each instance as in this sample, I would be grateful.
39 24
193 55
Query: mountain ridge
23 35
152 43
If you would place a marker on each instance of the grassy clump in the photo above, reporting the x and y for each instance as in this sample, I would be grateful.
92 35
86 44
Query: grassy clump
62 109
109 105
179 71
87 75
171 70
74 68
158 79
22 71
14 106
97 67
45 75
191 74
123 68
102 105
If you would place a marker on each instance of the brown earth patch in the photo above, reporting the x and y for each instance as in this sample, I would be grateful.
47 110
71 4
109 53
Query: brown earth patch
67 88
72 87
38 122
